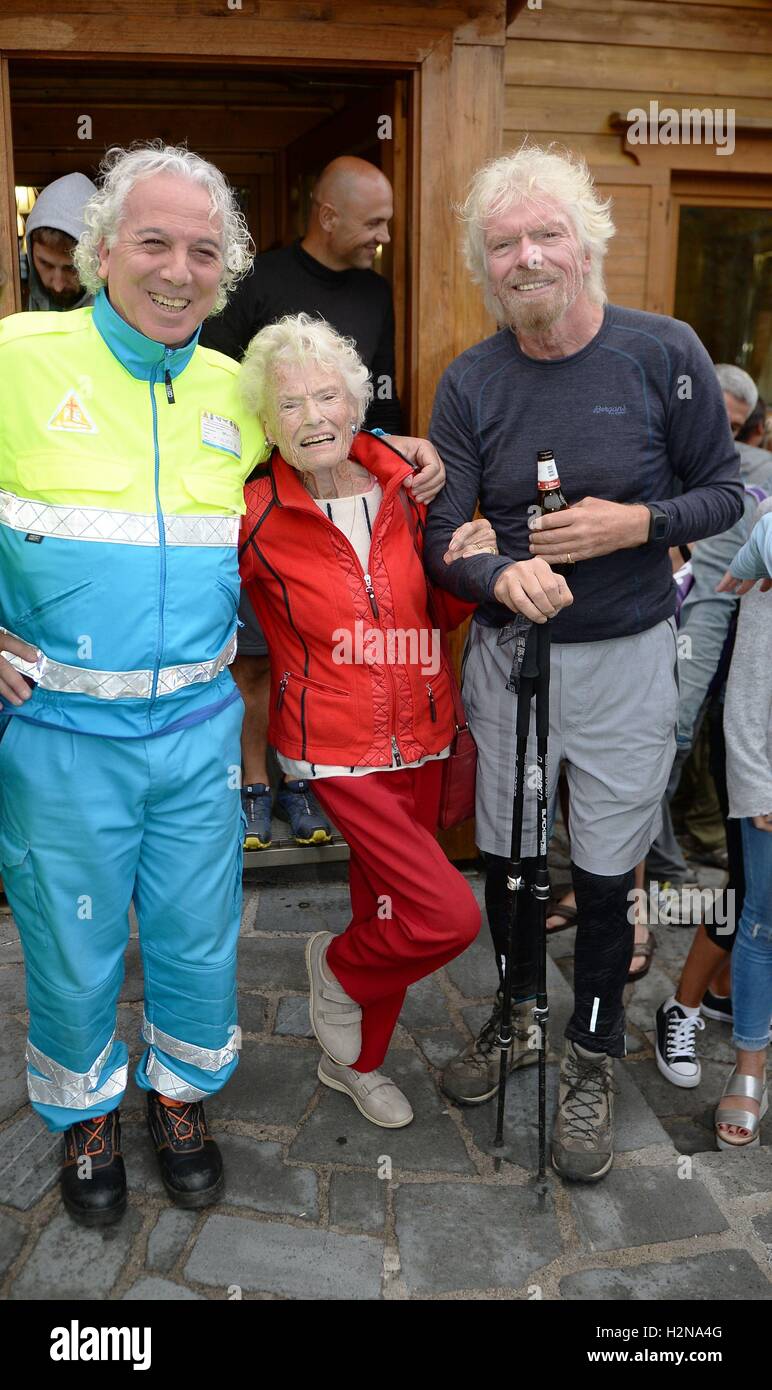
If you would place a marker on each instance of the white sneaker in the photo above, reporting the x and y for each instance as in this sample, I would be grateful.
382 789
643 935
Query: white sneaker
675 1044
336 1018
377 1098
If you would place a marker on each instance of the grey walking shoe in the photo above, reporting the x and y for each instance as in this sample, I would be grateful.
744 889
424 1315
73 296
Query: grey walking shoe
336 1018
374 1095
473 1076
583 1139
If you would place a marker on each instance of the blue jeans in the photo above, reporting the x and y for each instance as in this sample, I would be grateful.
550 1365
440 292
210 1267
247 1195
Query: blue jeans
752 955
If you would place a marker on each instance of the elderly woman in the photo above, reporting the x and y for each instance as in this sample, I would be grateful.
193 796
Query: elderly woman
361 699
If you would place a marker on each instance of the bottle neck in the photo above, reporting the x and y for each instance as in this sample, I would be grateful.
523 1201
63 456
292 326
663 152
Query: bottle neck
547 474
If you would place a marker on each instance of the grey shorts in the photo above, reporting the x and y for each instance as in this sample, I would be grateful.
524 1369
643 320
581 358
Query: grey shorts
251 641
613 715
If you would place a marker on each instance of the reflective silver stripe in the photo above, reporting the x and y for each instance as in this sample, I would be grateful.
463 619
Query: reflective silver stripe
207 1058
74 1090
121 685
167 1084
171 678
120 528
201 530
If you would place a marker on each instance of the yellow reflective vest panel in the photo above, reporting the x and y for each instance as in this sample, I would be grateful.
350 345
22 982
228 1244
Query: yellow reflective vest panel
122 467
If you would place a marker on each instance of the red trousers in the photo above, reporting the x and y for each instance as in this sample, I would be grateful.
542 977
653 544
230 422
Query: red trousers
412 911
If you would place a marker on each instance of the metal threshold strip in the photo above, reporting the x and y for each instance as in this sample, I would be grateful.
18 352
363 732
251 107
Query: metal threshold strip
287 852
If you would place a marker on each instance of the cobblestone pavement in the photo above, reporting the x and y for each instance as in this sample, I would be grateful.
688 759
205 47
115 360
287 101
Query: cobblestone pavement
322 1205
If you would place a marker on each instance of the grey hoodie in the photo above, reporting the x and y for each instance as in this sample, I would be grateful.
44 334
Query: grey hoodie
706 615
748 707
60 205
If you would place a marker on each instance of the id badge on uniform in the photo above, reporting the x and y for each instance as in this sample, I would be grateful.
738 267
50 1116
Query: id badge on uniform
220 432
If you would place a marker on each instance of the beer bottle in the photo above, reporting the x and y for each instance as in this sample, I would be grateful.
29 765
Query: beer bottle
550 494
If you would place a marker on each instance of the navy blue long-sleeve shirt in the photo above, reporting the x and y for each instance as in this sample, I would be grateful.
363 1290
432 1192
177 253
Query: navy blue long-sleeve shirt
636 416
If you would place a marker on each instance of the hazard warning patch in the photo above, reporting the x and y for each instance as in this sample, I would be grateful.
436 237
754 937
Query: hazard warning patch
71 415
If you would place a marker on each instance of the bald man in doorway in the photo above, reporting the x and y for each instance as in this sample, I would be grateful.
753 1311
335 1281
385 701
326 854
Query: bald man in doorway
328 272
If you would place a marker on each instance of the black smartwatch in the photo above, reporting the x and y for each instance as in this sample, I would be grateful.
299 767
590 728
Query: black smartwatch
658 525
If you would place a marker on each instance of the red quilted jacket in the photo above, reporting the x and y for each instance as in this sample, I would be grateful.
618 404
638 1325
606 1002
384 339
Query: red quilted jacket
355 673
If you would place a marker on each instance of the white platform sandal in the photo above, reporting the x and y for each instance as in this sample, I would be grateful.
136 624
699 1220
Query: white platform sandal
741 1085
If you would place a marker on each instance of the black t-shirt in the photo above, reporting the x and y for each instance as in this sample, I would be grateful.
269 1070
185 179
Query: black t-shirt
357 303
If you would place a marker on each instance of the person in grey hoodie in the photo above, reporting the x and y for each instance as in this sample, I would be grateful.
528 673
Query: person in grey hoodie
53 228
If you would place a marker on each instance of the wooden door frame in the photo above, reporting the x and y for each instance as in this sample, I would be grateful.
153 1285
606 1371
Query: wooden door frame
10 281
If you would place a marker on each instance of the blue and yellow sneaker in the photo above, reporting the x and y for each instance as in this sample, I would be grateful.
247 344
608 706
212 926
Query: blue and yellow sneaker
257 804
296 803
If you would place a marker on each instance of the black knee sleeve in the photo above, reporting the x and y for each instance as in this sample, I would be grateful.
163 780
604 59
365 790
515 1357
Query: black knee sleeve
604 949
497 905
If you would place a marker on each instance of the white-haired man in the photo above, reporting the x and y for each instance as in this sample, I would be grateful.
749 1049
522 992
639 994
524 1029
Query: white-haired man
630 406
740 393
123 455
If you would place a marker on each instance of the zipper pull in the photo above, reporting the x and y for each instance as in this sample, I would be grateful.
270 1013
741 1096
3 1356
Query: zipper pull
371 595
282 687
432 706
169 387
395 750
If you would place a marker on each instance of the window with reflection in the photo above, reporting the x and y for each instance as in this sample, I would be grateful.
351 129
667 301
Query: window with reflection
724 285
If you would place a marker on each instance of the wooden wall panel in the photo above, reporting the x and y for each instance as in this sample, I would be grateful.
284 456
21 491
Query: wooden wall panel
450 308
626 264
650 23
313 32
562 65
476 21
450 313
584 110
10 287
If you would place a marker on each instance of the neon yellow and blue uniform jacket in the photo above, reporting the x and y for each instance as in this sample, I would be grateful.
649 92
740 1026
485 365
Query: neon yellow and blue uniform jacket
122 467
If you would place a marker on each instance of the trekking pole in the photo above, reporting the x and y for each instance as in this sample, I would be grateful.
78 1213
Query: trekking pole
515 881
541 888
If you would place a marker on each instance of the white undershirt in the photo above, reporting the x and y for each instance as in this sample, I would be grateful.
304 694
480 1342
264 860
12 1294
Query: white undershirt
355 518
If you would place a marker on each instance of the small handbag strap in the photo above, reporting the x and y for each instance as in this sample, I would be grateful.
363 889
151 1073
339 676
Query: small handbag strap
415 524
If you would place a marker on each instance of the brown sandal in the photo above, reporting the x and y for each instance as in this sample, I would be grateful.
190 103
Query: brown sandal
564 910
646 949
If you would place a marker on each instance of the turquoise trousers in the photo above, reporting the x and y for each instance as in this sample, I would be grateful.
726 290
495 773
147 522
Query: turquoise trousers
87 825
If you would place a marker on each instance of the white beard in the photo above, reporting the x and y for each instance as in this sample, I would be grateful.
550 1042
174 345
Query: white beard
538 315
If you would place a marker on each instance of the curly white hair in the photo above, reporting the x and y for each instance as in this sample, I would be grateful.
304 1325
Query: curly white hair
121 169
296 339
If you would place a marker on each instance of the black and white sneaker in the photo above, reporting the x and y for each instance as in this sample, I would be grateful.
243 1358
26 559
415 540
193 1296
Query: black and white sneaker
717 1006
674 1047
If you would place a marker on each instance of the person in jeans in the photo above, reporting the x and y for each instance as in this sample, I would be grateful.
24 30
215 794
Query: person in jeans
706 617
630 406
748 731
707 622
